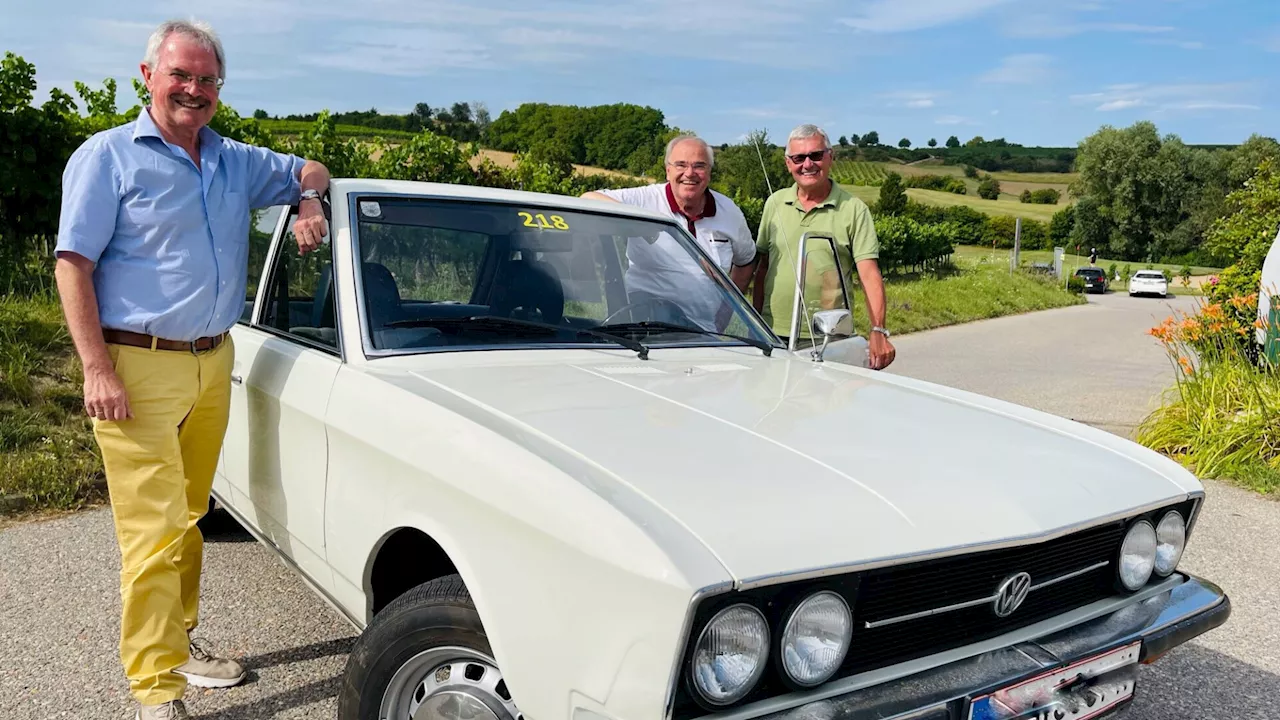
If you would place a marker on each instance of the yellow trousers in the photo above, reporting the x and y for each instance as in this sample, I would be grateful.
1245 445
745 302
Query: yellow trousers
160 465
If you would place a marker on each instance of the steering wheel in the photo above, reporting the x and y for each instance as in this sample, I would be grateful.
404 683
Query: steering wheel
655 301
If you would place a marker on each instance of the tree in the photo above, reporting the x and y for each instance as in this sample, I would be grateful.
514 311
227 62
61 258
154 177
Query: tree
893 197
953 142
855 140
1244 235
989 189
975 141
482 119
844 141
260 114
933 142
1063 223
870 139
904 143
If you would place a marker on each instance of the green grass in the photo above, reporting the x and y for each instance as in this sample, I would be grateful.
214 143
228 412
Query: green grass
1012 208
47 453
972 291
1045 178
1072 261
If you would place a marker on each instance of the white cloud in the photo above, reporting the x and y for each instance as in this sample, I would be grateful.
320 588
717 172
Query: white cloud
888 16
953 120
1060 24
1183 44
404 52
911 99
1169 98
1026 69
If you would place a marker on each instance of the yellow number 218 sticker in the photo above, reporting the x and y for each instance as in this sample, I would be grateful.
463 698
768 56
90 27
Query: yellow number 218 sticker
541 221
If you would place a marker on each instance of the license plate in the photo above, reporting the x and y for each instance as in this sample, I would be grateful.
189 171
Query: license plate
1082 690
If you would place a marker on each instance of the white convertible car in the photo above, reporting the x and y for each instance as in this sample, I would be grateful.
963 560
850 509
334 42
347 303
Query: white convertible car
539 496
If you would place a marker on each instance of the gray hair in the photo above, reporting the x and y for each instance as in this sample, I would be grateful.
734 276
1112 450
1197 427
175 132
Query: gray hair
711 156
201 32
805 131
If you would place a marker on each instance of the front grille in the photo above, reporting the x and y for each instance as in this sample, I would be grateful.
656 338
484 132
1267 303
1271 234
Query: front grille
907 589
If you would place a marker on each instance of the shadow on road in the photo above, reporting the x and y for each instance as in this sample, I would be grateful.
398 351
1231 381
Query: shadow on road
315 651
307 694
1196 682
219 527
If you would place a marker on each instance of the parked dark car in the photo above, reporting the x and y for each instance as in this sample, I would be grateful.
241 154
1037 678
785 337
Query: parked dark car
1095 279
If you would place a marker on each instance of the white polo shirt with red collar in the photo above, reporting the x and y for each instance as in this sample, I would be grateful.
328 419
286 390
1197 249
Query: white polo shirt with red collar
665 270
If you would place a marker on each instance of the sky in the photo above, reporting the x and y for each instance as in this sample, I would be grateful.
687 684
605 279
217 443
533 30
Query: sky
1030 71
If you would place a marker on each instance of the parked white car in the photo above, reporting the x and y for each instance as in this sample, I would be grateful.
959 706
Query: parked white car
1149 282
1268 335
537 495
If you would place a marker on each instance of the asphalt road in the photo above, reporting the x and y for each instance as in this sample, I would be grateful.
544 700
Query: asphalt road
1095 364
58 578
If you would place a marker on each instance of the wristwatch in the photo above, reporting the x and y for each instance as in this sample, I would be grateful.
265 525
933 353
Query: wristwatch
882 331
309 194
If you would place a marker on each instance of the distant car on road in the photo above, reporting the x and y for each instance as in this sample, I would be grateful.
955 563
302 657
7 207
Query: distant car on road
1149 282
1095 279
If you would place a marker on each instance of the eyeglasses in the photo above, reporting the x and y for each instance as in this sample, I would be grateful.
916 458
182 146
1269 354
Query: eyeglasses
815 156
205 81
696 167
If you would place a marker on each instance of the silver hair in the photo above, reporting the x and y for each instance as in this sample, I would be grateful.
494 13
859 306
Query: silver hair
711 156
197 30
805 131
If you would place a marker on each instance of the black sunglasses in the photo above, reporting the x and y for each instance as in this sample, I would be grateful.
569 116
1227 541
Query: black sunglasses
815 156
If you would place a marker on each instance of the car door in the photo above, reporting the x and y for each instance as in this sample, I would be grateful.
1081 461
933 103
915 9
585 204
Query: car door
286 361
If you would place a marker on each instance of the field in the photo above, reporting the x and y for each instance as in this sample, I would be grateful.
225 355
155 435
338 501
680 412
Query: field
1012 208
1071 260
863 174
976 291
506 159
294 127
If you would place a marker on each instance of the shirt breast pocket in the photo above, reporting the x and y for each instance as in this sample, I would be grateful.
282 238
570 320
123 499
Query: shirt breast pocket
721 248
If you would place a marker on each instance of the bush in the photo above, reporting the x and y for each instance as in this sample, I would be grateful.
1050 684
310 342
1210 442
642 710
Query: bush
944 183
1075 284
1063 223
1219 419
907 244
970 171
989 189
1045 196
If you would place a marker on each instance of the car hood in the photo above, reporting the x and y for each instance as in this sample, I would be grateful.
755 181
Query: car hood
783 466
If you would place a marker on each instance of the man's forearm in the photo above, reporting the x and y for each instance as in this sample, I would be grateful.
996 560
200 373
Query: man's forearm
314 176
74 275
593 195
873 290
741 275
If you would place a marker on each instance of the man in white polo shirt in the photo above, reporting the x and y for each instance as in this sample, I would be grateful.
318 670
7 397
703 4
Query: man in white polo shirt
663 271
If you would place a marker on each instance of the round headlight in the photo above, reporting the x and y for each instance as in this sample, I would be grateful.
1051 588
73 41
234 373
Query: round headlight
1138 555
731 655
1171 540
816 638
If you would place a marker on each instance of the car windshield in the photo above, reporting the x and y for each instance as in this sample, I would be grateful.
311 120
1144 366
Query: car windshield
456 275
1149 275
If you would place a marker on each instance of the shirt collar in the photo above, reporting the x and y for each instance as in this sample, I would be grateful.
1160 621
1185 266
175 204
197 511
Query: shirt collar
145 126
708 207
837 194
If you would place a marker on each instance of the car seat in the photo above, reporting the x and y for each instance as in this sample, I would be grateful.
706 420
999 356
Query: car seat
527 286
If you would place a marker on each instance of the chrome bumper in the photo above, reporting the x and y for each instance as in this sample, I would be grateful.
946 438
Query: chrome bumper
1161 621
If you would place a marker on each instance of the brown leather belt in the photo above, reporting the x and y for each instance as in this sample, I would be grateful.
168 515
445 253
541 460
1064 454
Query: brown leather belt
124 337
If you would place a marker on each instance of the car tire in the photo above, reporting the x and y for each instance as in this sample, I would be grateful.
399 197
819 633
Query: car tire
432 624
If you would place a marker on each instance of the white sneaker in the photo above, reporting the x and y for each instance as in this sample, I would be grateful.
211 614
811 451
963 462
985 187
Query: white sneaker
206 671
172 710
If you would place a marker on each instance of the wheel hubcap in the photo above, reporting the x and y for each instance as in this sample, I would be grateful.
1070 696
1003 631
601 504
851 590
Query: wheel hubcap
451 683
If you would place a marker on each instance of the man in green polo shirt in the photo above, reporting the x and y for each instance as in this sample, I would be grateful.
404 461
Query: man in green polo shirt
815 204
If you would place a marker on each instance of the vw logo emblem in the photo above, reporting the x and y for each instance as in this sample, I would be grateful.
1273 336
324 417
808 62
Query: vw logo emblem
1011 593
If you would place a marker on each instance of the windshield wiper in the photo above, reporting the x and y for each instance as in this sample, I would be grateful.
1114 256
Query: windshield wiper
647 326
495 321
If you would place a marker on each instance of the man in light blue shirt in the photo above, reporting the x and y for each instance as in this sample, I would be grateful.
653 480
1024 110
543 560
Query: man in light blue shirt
152 258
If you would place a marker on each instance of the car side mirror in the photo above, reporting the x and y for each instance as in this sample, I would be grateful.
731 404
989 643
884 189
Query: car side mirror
831 323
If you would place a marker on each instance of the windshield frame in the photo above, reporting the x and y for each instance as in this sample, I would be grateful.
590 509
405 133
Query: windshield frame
703 341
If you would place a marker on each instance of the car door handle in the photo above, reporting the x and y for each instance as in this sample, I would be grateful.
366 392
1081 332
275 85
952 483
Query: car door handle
237 379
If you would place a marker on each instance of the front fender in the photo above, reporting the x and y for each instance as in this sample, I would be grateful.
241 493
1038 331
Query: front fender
583 586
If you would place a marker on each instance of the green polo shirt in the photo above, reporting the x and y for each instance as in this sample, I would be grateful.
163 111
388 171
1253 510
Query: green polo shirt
842 216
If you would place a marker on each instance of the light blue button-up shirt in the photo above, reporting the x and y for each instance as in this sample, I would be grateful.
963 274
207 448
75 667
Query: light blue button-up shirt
171 241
